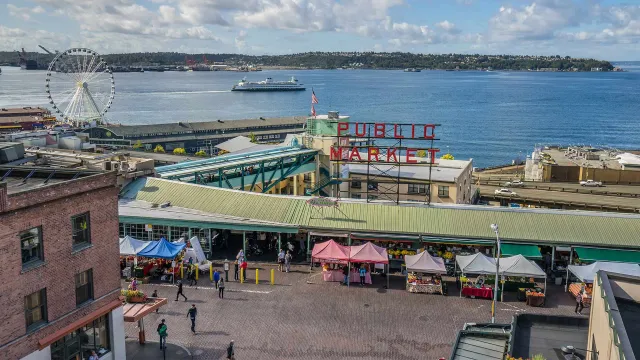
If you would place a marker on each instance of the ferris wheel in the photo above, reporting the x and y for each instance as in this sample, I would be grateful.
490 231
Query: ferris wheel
80 86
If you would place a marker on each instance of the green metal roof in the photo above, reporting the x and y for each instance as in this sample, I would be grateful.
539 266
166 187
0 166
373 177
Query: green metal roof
593 254
528 251
516 225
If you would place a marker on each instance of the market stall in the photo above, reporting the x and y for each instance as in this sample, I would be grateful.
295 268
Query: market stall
330 252
165 251
520 267
586 274
196 253
129 250
420 264
366 253
478 264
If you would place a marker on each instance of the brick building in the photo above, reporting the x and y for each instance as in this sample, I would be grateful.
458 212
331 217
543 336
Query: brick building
60 265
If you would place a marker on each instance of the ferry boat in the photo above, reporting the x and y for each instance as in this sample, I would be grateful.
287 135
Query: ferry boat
412 70
268 85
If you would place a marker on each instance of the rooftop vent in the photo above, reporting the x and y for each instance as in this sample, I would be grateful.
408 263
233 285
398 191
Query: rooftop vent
333 115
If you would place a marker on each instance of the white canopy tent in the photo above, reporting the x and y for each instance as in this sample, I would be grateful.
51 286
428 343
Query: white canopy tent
196 252
587 273
477 263
518 265
425 263
131 246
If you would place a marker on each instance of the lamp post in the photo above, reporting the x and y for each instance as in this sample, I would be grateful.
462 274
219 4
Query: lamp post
494 227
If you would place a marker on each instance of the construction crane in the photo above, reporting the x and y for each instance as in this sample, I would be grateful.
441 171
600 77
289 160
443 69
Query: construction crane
47 51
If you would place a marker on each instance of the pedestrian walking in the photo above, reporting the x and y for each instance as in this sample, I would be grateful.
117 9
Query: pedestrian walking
192 276
180 291
216 277
162 332
281 260
287 261
230 352
191 314
190 261
240 256
221 288
579 303
363 272
93 356
155 295
235 275
345 272
244 269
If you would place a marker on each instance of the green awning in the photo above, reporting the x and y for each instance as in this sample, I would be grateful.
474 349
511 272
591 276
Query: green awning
528 251
594 254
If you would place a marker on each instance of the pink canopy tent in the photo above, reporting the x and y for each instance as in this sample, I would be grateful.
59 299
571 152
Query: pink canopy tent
330 251
368 253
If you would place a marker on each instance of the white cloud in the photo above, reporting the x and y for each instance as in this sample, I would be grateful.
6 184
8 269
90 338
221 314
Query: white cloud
24 13
240 40
448 27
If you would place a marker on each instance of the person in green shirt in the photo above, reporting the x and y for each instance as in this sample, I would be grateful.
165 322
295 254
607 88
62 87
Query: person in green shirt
162 331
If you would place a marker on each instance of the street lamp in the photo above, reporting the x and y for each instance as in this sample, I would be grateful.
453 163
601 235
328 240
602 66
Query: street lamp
494 227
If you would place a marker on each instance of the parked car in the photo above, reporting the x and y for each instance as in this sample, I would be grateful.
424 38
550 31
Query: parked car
514 183
591 183
506 192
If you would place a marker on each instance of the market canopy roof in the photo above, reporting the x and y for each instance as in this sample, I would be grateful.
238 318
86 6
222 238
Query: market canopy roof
131 246
518 265
593 254
368 253
330 251
162 249
528 251
477 263
425 263
587 273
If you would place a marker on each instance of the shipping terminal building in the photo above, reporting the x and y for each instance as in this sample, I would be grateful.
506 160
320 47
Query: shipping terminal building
196 136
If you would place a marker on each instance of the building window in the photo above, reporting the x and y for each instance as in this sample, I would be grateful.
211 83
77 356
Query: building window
79 344
35 309
372 197
372 186
307 177
136 231
417 188
31 245
443 191
121 230
356 184
84 286
159 231
81 229
178 232
356 196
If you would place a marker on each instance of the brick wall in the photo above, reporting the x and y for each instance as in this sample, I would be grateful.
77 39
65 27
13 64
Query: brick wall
61 262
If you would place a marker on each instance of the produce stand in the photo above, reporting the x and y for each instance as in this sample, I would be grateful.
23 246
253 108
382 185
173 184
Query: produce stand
586 275
424 263
535 297
484 292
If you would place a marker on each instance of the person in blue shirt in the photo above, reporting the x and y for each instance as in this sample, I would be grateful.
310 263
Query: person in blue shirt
192 315
216 277
363 272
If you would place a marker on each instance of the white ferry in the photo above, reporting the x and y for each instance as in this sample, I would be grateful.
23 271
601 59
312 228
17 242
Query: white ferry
268 85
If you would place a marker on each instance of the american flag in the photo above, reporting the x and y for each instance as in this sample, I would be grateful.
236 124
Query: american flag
313 110
314 99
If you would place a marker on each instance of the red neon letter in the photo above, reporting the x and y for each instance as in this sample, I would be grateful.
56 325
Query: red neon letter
411 156
364 130
336 153
432 155
378 130
395 132
355 153
342 126
413 131
429 135
374 151
391 152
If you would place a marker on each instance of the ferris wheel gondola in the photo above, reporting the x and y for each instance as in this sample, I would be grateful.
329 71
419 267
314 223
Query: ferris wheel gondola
80 86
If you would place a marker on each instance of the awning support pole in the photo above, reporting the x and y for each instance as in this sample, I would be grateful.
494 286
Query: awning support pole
349 263
388 276
566 283
553 258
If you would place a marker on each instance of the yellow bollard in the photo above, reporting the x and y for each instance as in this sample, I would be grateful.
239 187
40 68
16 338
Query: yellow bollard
273 276
181 271
257 276
241 276
210 273
197 272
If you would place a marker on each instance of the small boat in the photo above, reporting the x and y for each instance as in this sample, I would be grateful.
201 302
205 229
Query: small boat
412 70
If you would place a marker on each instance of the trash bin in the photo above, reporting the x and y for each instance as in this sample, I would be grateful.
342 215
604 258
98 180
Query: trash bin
559 281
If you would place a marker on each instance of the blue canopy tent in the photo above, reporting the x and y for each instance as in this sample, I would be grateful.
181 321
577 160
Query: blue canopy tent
162 249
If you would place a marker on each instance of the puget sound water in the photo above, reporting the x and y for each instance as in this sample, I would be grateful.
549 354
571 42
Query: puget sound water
492 117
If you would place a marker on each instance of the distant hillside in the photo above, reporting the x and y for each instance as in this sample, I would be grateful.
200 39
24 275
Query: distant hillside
333 60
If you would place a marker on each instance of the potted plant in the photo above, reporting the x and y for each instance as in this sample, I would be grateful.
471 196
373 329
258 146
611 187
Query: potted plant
134 296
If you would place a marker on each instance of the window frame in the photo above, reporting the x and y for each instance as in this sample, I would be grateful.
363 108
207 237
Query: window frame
79 245
441 192
89 284
32 263
356 183
421 189
43 308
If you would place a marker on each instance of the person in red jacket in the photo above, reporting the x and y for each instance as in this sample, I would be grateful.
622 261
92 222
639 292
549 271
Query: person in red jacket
244 269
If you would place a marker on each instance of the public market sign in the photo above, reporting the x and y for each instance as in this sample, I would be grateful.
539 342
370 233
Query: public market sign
409 141
322 202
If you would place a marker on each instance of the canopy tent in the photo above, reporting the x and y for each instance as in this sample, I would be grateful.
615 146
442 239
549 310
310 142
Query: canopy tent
593 254
368 253
528 251
477 263
518 265
162 249
425 263
330 251
131 246
196 252
587 273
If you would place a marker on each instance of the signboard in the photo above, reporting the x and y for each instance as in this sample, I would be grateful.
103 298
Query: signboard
148 227
322 202
414 136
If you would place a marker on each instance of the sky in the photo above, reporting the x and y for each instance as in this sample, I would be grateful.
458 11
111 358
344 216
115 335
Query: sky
601 29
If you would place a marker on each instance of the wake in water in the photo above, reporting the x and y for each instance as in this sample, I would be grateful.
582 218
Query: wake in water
179 92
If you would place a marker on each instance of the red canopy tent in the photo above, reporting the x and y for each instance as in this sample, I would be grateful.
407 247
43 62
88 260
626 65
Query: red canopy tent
368 253
330 251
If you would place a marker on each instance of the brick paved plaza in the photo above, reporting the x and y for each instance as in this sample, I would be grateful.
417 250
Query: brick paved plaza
303 317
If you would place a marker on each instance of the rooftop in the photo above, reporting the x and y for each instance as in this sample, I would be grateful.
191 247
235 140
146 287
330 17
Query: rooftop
26 178
625 306
193 127
468 222
546 335
27 110
592 157
445 170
